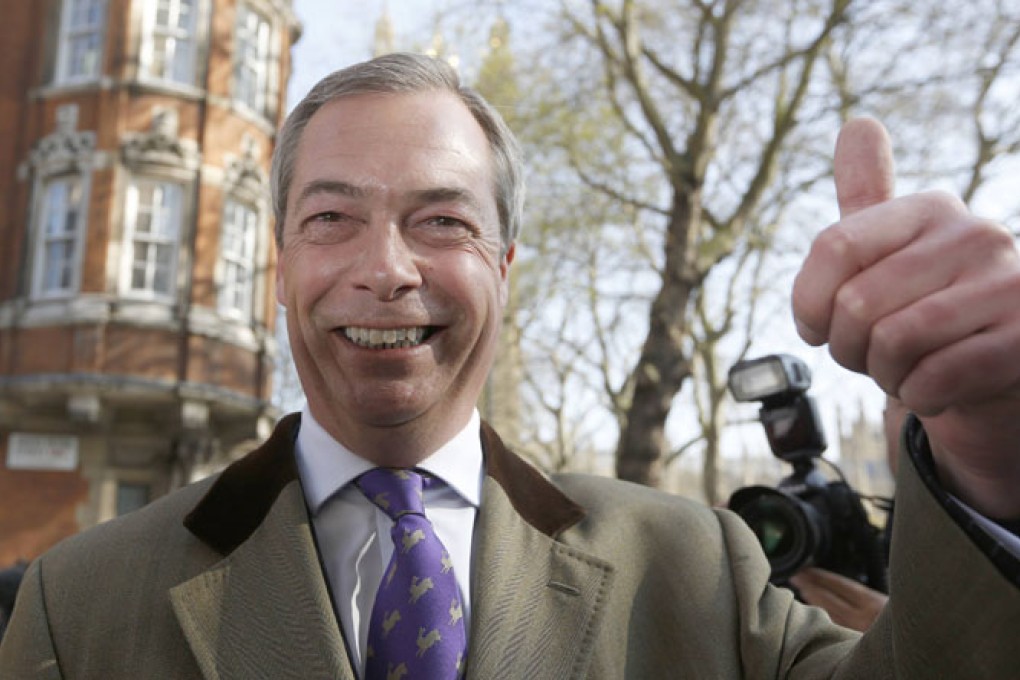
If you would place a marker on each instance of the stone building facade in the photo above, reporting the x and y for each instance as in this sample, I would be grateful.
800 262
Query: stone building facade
136 255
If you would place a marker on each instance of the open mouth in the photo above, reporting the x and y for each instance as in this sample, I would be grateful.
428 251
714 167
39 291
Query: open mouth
388 338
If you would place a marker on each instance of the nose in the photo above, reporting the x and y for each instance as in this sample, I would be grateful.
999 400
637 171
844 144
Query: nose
387 266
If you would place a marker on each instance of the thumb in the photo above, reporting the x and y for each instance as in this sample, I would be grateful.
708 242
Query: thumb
863 166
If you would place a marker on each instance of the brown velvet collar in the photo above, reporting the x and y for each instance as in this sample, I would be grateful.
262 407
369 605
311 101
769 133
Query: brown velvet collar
241 497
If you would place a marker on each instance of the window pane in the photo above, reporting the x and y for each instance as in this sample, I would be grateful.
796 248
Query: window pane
180 68
163 256
185 10
54 208
155 231
94 11
252 54
159 56
143 225
81 40
238 254
167 214
143 220
140 267
58 235
83 54
72 208
162 280
66 270
57 266
231 237
163 13
172 44
131 497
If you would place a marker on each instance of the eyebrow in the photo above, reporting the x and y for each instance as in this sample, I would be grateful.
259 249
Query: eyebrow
447 194
431 195
328 186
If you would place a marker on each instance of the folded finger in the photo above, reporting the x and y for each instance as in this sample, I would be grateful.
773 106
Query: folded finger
855 244
979 367
985 308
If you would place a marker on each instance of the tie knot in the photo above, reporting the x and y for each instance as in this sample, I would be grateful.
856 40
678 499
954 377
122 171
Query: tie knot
395 491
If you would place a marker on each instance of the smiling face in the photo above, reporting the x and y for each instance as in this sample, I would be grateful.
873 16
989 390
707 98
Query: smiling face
390 271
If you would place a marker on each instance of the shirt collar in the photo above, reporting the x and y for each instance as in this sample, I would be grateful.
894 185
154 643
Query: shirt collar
326 465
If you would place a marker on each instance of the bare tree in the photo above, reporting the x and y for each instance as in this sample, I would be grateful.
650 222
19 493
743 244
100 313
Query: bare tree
673 103
709 121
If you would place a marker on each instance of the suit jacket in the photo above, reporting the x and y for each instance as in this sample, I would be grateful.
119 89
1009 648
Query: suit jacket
573 577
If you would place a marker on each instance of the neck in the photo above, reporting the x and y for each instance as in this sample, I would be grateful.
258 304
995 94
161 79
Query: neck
402 445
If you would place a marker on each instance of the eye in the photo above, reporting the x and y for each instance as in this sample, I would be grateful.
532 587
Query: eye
446 221
328 216
328 226
448 227
444 229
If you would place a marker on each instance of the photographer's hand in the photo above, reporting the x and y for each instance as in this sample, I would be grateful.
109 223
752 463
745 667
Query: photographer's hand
847 602
924 297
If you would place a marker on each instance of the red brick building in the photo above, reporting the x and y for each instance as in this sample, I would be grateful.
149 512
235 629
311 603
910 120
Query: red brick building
136 255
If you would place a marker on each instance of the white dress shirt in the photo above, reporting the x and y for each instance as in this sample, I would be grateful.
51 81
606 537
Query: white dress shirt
353 535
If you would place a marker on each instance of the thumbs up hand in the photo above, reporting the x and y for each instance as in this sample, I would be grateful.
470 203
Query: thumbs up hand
924 297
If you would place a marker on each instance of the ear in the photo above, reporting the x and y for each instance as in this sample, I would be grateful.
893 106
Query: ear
508 258
504 274
281 292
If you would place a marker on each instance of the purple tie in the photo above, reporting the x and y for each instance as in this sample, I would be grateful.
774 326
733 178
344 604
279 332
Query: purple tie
417 624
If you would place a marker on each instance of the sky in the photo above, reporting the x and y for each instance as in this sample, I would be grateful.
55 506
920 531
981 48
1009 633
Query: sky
340 32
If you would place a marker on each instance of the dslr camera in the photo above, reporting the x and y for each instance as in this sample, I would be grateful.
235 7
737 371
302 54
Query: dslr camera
806 520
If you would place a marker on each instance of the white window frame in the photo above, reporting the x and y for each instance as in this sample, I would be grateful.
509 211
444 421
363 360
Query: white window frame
238 258
73 217
166 224
81 22
179 41
253 36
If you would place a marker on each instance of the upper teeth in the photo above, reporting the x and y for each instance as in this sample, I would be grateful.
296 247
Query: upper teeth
388 338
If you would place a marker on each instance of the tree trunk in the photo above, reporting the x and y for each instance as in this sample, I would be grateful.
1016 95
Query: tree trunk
664 365
710 465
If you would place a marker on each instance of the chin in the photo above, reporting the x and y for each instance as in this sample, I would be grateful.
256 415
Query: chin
385 410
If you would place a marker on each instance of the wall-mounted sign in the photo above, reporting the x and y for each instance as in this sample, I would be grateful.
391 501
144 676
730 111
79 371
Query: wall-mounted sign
27 451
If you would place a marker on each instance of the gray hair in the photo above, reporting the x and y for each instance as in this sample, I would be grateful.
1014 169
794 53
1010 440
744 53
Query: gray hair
405 73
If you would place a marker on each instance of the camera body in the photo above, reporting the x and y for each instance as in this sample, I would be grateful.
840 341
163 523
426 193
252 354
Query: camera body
806 520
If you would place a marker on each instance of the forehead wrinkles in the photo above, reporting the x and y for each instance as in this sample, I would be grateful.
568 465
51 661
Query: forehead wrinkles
379 146
428 121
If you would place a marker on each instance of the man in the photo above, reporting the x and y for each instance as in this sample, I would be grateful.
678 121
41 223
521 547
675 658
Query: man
847 601
398 201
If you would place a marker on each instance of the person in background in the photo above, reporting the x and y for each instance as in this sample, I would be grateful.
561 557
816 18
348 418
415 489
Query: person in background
386 531
847 601
10 579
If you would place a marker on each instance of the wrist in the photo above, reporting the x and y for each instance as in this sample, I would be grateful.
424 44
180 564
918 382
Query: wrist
990 498
991 494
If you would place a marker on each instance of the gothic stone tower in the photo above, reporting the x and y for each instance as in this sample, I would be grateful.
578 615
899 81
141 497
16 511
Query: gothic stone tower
136 258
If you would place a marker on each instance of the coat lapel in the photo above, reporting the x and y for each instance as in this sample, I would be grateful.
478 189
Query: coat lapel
265 609
536 602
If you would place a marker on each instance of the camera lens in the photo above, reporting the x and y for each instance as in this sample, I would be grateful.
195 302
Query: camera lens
790 531
776 535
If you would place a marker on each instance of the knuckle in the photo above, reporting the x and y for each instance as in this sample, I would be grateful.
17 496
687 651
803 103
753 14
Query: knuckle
833 243
892 351
936 311
852 303
848 350
937 203
992 236
894 339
